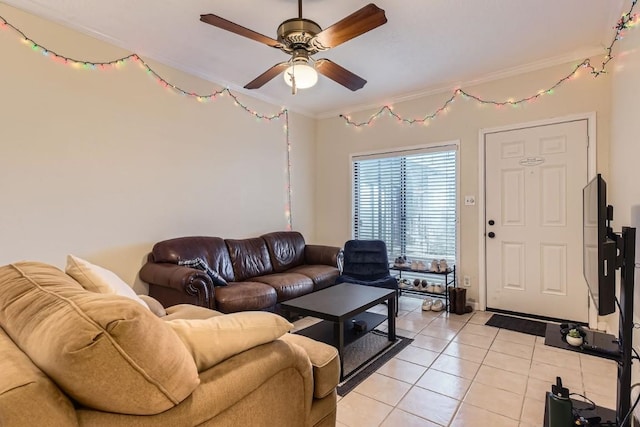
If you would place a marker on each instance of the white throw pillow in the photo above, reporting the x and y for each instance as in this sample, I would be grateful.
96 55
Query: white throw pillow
210 341
100 280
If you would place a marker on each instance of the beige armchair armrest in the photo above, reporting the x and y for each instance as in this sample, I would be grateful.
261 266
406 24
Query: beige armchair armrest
278 374
325 361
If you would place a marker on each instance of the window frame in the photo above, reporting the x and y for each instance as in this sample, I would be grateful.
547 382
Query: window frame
453 145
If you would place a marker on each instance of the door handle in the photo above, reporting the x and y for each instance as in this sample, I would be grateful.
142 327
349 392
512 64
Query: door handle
491 222
491 234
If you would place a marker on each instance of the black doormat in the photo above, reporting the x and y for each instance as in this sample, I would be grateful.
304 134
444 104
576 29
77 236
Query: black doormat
526 326
355 362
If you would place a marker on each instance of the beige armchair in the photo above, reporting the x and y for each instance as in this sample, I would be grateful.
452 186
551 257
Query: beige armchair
69 356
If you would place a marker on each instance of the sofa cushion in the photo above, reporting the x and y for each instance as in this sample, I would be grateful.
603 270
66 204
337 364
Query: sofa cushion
211 249
243 296
286 249
213 340
249 257
97 279
201 264
323 276
287 285
96 347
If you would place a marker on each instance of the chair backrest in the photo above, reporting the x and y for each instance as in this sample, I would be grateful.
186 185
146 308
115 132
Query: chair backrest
365 259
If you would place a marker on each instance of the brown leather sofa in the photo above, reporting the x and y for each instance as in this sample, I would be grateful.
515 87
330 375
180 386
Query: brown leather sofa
260 272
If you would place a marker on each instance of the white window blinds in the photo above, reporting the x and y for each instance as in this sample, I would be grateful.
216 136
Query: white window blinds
409 200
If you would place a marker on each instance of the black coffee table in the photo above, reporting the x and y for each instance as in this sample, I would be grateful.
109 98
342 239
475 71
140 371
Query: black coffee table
340 306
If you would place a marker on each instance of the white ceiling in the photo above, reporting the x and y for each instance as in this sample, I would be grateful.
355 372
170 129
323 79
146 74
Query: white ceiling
426 46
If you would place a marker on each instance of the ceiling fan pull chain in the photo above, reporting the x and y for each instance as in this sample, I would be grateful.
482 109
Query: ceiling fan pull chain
292 76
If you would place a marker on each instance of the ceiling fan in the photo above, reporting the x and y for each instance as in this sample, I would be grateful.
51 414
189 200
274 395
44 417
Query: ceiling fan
302 38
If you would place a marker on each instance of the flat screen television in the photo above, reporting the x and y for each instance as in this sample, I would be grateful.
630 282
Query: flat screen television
599 248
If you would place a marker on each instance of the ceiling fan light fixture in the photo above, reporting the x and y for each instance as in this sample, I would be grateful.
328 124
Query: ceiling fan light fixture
303 74
302 38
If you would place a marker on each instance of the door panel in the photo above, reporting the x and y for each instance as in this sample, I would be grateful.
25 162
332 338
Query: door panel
513 265
553 196
553 265
513 198
534 180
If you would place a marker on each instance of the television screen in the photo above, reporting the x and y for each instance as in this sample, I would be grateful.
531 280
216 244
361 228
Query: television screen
599 251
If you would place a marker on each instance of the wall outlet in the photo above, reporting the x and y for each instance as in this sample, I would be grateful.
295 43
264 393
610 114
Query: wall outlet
466 282
469 200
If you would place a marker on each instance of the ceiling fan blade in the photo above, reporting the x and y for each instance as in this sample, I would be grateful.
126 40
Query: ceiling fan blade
265 77
359 22
340 75
219 22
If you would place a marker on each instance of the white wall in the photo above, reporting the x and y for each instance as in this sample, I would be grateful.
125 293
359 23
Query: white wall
336 142
623 180
103 164
624 174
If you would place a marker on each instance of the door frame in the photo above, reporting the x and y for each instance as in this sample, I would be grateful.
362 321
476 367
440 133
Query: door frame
591 173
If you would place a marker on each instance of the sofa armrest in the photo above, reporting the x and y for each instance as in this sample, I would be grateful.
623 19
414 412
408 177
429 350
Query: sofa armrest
325 361
320 254
183 280
271 384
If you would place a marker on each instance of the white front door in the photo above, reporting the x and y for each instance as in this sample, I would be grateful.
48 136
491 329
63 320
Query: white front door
533 231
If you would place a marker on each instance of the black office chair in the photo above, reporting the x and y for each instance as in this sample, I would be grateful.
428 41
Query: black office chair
366 263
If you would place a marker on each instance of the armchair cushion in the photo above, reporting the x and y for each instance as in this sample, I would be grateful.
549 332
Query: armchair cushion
365 260
213 340
384 282
154 305
96 347
24 386
97 279
189 311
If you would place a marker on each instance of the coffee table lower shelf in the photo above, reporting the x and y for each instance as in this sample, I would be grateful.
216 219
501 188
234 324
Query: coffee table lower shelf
324 330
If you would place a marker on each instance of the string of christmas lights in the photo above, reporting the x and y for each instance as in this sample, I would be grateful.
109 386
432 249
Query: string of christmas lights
287 211
627 20
119 62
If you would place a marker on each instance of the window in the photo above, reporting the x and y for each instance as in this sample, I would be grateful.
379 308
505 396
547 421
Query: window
408 199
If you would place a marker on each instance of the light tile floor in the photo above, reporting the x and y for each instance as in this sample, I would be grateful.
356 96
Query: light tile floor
459 372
